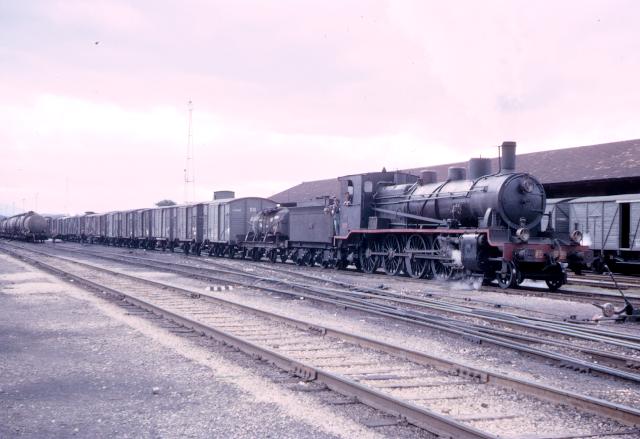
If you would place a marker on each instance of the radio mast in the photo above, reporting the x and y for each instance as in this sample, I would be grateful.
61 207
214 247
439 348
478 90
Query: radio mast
189 169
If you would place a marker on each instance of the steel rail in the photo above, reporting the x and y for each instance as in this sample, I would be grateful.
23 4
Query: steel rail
549 326
434 322
430 421
619 412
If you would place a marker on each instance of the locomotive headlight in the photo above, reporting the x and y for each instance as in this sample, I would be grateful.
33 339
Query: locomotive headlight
523 234
527 185
576 236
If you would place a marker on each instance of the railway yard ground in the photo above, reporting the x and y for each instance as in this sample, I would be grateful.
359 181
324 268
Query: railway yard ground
103 341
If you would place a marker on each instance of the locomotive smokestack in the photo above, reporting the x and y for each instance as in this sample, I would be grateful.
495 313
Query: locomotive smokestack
508 157
479 168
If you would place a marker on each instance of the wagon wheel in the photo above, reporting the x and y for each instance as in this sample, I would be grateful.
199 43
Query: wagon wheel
309 258
272 255
508 279
368 261
519 278
416 267
295 257
284 256
439 269
340 261
392 263
554 284
256 254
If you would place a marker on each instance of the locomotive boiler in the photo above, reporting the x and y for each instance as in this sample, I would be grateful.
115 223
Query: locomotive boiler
516 200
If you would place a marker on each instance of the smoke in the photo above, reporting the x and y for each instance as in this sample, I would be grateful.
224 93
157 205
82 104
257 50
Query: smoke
456 255
586 240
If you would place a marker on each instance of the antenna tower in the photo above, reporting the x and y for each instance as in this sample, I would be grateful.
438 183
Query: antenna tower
189 169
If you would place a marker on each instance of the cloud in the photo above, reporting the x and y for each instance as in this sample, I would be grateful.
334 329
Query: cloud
291 91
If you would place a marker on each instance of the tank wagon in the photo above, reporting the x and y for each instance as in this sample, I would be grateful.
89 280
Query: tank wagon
28 226
611 227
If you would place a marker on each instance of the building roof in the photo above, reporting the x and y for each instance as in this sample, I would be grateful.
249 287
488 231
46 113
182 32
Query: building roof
308 190
615 160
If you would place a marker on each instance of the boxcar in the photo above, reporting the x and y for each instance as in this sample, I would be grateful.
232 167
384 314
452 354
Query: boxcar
226 222
55 228
611 227
95 227
188 227
146 229
114 228
161 224
132 227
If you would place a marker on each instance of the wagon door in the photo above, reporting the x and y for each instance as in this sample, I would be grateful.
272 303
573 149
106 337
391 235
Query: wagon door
625 226
635 226
561 218
225 231
212 222
611 225
200 222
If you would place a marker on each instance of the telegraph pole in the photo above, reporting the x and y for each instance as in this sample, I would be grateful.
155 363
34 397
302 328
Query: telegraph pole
189 169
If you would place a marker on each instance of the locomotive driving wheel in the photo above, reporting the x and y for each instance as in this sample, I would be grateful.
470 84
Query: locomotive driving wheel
509 277
392 263
440 269
416 267
556 276
368 260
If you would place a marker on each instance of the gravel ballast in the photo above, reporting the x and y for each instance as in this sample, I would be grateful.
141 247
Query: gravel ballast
72 364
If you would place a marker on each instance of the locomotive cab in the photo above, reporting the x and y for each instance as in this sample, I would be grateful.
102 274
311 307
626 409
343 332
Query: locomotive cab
356 199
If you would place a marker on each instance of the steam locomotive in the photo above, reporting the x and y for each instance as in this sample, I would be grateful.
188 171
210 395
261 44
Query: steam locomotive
486 227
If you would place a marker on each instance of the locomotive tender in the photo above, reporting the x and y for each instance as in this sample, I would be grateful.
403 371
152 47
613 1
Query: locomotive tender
487 227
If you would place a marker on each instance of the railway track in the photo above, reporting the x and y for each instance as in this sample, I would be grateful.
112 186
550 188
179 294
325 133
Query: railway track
526 290
605 281
565 293
530 341
415 386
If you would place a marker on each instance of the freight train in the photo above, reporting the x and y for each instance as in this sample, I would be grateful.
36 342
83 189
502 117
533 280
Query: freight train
27 226
486 227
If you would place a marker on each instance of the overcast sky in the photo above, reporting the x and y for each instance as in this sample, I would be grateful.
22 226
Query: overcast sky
93 108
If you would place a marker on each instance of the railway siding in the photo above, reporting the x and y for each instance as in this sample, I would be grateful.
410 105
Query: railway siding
322 343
